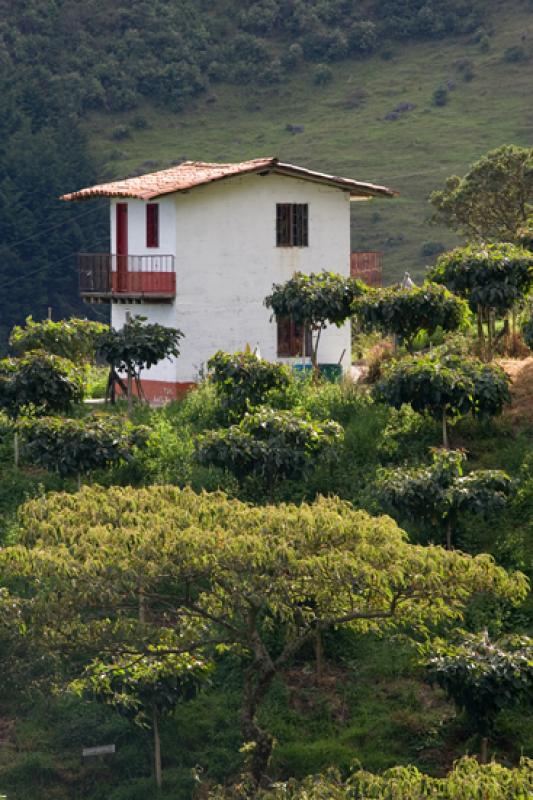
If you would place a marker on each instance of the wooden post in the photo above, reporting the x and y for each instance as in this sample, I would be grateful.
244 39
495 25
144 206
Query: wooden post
484 753
49 313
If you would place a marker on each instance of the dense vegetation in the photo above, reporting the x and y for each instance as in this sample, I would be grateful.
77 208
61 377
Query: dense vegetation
305 627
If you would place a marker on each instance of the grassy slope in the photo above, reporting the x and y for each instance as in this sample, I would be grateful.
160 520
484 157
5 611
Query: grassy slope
413 154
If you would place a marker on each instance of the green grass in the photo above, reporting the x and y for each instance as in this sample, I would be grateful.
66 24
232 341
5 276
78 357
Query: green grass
413 154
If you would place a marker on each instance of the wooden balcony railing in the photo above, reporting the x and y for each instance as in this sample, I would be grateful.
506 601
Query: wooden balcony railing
104 276
368 267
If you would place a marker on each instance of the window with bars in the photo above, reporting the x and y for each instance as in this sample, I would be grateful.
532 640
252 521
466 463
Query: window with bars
291 339
152 225
292 225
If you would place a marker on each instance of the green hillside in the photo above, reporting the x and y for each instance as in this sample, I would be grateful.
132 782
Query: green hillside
345 130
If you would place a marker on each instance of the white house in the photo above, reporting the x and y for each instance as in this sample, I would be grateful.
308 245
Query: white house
199 246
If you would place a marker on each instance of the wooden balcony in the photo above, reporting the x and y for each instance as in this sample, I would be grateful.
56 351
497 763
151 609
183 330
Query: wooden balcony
368 267
108 278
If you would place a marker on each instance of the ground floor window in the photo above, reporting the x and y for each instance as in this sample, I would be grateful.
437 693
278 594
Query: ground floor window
293 340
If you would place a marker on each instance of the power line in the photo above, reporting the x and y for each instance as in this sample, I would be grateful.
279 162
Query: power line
52 227
40 269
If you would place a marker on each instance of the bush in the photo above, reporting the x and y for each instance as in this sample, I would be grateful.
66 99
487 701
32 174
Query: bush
515 54
243 381
73 446
493 781
440 96
429 249
76 339
271 445
120 133
322 75
47 383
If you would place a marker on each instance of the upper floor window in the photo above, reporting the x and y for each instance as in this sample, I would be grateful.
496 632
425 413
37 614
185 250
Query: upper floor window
292 225
152 225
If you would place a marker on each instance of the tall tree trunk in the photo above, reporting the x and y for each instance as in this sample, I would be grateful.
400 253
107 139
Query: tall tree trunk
445 438
480 333
490 331
258 678
314 353
130 392
16 448
449 534
319 654
157 749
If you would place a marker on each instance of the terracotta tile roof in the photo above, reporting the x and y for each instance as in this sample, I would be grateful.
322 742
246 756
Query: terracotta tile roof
195 173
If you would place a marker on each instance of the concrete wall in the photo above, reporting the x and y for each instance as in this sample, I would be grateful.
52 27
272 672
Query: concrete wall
224 238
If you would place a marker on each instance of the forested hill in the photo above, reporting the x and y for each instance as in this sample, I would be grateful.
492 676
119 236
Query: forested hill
399 91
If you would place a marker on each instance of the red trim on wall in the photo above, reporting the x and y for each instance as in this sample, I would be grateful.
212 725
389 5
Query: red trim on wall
164 391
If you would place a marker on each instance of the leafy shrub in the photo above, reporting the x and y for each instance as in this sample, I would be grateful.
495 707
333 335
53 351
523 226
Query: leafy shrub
322 75
440 493
73 446
440 96
272 445
76 339
445 387
48 383
243 381
429 249
515 54
362 37
492 781
406 312
120 133
484 677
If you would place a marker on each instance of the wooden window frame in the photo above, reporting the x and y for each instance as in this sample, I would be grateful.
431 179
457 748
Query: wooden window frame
152 225
292 224
290 341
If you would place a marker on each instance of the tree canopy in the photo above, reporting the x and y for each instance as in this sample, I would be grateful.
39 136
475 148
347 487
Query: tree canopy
493 200
76 339
217 573
317 300
484 677
441 492
45 382
445 387
405 312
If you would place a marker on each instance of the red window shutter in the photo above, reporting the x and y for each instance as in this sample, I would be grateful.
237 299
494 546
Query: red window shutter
152 225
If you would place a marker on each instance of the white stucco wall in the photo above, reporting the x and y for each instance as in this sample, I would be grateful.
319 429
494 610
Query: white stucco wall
224 238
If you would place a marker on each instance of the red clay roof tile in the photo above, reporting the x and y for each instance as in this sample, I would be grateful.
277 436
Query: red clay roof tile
195 173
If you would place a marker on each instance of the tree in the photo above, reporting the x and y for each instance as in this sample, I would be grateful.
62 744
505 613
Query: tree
144 689
404 312
271 445
243 381
76 339
484 677
135 347
75 446
445 387
47 383
315 300
493 200
491 277
443 492
214 573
